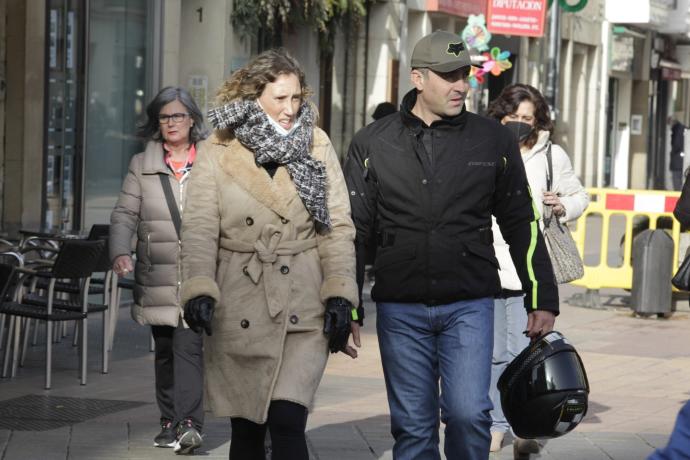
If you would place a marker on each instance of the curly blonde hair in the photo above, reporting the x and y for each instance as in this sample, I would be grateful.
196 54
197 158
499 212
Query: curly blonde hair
251 80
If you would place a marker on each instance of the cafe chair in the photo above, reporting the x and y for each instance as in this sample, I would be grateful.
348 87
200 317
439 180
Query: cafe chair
75 262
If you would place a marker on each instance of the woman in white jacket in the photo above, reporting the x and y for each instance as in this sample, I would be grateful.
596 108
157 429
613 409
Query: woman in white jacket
522 108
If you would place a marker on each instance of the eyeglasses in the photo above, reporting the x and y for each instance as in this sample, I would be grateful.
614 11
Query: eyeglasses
175 117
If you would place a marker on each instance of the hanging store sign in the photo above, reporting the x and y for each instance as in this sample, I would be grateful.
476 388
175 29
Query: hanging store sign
516 17
668 73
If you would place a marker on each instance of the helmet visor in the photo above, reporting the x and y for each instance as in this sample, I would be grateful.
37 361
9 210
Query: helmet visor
562 371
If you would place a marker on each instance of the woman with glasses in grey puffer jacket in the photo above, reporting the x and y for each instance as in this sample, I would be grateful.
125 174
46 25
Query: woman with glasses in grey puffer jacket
173 127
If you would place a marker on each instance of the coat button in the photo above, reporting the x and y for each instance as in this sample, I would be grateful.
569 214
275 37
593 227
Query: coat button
244 323
245 271
249 221
424 181
294 319
284 220
284 270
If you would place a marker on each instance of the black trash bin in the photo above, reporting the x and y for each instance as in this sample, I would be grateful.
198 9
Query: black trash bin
652 254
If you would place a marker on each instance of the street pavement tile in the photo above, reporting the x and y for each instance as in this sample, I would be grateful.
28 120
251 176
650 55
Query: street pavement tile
655 440
99 434
49 445
4 438
86 454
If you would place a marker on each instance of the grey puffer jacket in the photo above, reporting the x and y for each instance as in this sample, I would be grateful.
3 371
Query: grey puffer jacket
142 209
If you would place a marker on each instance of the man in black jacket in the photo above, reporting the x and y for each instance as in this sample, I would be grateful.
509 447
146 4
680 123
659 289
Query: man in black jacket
426 183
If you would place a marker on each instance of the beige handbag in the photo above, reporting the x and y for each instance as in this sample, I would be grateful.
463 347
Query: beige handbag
565 258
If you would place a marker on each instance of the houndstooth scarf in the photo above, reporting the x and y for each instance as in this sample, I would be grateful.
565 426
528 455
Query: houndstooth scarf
251 126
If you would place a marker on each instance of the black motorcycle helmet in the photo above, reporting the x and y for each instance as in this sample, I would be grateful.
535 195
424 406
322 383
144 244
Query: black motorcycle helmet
544 389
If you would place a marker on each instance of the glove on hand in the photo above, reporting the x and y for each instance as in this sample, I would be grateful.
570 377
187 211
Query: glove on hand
336 324
198 313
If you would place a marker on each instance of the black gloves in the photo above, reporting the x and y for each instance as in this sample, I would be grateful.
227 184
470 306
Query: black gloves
336 324
198 313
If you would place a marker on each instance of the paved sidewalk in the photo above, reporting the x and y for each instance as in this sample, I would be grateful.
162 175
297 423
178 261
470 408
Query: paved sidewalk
639 371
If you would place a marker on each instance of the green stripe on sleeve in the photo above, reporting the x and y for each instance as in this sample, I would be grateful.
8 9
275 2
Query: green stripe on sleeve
530 269
534 232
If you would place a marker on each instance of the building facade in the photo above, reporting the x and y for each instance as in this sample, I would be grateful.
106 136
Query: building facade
76 75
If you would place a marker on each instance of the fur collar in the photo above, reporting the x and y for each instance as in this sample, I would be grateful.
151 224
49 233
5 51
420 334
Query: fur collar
238 162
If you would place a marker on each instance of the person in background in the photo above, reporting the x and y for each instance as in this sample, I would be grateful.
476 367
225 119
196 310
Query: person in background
426 183
382 110
268 247
173 128
523 110
677 152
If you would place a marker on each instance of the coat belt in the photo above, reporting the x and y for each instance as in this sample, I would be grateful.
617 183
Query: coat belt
265 253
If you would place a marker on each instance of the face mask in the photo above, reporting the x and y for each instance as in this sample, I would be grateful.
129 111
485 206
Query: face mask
282 131
521 130
279 129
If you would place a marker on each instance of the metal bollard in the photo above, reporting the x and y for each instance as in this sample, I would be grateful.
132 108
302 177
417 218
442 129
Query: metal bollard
652 252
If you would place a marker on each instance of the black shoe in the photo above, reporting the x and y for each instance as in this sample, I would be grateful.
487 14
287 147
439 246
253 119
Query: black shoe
167 437
188 438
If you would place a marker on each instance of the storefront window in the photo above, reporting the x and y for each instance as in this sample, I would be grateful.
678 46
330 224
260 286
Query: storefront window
63 114
118 77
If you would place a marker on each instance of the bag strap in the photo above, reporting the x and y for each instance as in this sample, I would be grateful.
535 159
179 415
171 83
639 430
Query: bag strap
172 204
549 162
549 175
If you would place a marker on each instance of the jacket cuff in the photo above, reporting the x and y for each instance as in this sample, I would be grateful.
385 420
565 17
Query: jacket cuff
198 286
568 204
116 251
338 286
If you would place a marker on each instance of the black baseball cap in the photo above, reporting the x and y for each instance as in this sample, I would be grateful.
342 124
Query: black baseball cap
440 51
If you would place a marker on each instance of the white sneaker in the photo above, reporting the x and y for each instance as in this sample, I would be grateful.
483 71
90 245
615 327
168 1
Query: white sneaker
188 439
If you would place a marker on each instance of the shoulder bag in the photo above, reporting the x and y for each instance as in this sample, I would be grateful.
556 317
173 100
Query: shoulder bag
565 258
172 204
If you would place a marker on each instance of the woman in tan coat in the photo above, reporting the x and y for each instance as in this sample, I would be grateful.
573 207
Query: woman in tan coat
173 126
269 241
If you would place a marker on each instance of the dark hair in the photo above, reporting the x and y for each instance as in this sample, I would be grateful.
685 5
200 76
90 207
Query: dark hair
149 129
510 98
383 109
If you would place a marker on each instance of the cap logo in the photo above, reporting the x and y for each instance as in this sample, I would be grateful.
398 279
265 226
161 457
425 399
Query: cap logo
455 48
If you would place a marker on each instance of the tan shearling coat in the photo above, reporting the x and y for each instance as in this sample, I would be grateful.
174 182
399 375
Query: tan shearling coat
249 242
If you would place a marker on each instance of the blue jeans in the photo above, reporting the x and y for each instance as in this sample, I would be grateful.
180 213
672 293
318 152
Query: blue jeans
421 344
510 319
678 447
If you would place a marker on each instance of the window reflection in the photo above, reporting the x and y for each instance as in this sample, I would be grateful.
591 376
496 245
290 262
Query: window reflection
117 77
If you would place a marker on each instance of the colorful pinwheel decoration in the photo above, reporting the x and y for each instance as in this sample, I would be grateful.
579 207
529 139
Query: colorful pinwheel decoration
496 61
475 34
476 77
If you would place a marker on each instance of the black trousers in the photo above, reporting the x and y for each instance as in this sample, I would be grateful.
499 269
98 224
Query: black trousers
179 374
286 424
